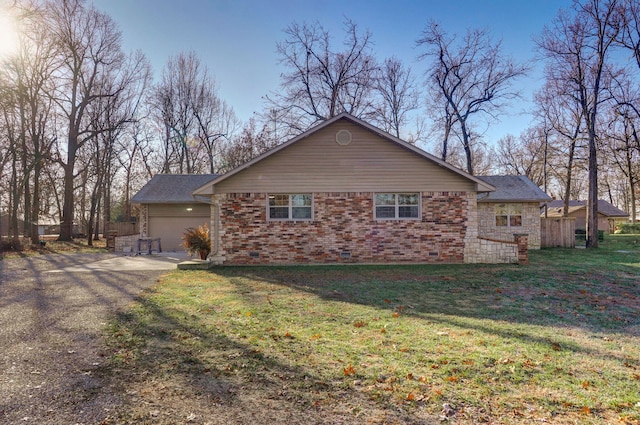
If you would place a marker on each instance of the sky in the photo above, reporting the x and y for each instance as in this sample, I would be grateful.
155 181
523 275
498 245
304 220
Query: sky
236 39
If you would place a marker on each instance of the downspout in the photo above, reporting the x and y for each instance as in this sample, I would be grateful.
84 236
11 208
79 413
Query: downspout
216 220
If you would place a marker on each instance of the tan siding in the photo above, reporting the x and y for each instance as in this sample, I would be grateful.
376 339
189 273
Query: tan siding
179 210
368 163
171 229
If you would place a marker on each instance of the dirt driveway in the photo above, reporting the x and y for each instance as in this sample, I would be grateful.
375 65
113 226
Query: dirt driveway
53 309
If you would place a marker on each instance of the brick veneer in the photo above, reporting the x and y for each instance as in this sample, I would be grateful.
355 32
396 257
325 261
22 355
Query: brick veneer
343 231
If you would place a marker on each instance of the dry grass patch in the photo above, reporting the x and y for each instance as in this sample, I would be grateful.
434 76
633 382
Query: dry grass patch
557 342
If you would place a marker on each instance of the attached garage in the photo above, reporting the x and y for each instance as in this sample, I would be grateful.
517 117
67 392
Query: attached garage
168 222
168 209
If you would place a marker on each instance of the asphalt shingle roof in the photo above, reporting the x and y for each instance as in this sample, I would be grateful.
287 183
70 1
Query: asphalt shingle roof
512 189
555 208
171 188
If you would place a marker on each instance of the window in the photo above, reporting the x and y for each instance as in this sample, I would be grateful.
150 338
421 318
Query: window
509 215
397 206
290 207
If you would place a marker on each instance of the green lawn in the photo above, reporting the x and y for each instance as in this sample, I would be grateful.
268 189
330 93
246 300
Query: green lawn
557 341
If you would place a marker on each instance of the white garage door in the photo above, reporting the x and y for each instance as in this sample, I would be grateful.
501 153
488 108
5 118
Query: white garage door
170 222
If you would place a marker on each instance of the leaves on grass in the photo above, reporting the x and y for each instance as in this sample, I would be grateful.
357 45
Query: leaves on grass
349 370
360 324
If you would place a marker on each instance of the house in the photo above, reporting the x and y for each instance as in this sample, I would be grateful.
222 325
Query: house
167 208
347 192
512 208
608 215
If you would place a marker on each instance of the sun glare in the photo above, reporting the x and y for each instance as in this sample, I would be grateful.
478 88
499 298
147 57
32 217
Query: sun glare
9 40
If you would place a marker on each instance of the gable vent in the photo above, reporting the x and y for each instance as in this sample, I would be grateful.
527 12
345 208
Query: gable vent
343 137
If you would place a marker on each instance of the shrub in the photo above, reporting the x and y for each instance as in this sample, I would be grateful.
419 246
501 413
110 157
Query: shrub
628 228
11 245
196 241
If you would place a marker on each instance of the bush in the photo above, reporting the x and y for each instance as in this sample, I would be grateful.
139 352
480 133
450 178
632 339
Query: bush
196 241
11 245
628 229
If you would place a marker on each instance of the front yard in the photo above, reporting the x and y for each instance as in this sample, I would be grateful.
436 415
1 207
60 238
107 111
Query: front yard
557 341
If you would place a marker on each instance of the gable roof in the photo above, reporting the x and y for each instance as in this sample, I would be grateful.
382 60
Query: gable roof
513 189
556 207
171 188
481 185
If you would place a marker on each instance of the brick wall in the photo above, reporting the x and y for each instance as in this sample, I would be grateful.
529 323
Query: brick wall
530 224
343 231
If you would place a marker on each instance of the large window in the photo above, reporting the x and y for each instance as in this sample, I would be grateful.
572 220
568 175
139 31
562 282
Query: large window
290 207
397 206
509 215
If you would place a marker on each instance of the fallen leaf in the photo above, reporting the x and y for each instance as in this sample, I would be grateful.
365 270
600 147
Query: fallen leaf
396 314
586 384
411 397
585 410
349 370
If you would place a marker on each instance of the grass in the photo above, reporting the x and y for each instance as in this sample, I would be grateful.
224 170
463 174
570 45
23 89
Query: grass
557 341
53 246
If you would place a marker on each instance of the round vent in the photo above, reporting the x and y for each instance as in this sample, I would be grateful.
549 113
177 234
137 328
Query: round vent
343 137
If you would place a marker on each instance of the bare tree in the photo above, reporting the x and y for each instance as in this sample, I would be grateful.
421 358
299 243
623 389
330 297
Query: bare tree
578 48
88 45
194 119
523 155
321 81
398 96
623 136
467 78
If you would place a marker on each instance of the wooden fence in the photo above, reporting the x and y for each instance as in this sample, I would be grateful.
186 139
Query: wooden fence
558 232
123 229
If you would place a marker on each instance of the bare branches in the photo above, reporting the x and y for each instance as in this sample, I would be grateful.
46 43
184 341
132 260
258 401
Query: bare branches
322 82
467 77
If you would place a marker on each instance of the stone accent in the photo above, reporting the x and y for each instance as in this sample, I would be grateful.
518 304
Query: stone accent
144 220
491 251
343 230
530 224
126 241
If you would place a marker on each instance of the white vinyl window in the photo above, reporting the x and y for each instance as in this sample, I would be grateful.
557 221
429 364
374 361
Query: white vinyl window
508 215
290 207
397 206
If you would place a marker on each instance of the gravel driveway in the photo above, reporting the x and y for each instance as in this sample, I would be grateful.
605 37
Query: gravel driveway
53 309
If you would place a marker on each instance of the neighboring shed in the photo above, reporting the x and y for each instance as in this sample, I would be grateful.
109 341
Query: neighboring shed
514 207
167 207
608 215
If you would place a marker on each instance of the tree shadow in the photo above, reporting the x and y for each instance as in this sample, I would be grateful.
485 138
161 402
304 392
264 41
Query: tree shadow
193 367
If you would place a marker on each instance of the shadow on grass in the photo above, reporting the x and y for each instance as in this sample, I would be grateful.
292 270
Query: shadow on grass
177 361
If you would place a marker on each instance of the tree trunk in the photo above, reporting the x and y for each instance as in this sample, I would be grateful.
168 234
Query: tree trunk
66 227
592 199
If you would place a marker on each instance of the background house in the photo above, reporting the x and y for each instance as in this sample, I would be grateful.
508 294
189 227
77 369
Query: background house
608 215
514 207
167 207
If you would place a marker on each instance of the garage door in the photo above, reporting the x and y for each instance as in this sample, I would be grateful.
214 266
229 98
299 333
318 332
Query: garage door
170 223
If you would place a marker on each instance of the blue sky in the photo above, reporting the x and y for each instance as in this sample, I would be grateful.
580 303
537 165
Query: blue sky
237 39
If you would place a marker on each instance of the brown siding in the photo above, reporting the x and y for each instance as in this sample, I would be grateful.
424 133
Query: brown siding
319 164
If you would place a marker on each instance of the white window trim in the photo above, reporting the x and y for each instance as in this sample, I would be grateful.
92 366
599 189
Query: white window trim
396 217
290 207
508 206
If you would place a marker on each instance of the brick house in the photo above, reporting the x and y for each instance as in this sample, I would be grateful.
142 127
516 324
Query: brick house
347 192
